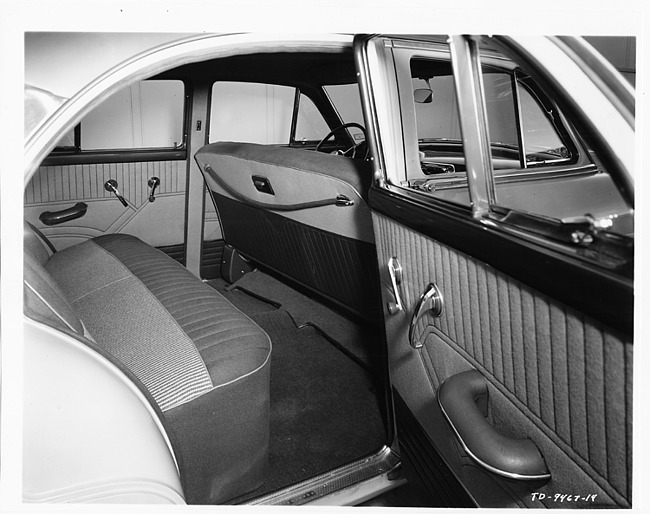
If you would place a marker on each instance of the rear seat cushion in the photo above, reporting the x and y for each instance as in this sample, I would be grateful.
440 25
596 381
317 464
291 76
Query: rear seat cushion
185 338
204 362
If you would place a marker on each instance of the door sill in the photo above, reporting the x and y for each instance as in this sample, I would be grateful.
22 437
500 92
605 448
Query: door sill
348 485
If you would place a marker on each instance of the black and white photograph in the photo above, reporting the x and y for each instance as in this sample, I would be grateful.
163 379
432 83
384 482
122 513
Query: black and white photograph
341 254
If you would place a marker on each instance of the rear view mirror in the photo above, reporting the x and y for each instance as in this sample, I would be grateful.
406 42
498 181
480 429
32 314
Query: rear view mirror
423 96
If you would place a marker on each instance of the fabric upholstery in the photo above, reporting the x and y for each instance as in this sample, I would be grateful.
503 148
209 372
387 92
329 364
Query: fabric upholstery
326 248
205 364
296 176
230 344
36 244
554 375
354 172
45 300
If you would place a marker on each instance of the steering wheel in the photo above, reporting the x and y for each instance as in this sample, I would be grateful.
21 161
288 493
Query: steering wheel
352 151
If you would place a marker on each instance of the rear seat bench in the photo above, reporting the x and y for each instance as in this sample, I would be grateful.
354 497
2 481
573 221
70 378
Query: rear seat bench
205 363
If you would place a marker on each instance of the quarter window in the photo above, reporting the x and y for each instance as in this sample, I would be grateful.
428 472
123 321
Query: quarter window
556 179
542 142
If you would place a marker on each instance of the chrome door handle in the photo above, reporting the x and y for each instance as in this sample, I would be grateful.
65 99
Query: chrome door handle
111 186
431 299
395 272
153 183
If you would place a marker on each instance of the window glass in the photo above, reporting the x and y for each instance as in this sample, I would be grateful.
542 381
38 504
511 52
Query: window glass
310 125
553 181
441 170
347 102
502 119
437 115
146 115
541 140
67 142
251 113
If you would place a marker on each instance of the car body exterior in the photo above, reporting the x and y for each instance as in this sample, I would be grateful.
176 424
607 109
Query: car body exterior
503 224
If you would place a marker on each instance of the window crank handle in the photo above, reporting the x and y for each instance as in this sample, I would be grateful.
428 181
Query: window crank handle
111 185
153 183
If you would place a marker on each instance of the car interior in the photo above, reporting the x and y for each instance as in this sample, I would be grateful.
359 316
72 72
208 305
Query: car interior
208 231
268 371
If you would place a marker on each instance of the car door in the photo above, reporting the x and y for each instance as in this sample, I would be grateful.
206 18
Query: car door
122 169
504 235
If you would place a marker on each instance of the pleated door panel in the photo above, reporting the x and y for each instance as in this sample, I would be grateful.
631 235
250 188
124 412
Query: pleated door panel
554 376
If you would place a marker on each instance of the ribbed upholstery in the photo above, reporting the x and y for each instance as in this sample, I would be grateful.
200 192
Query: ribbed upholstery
149 343
229 343
86 181
342 269
567 374
204 362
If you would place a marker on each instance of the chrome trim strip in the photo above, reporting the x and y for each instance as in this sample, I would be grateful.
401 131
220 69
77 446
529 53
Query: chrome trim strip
468 80
333 481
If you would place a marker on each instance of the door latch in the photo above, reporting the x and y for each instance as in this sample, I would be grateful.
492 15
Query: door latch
395 272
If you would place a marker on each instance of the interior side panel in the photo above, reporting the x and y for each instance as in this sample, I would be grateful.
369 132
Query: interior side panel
554 375
159 223
338 267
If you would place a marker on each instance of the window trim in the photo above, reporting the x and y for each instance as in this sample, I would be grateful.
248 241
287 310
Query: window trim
566 135
494 215
66 155
552 233
330 114
577 163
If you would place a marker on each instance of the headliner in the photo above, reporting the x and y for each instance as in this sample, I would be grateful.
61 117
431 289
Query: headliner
285 68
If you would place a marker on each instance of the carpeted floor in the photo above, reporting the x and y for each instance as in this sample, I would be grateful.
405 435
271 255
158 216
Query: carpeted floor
360 342
324 408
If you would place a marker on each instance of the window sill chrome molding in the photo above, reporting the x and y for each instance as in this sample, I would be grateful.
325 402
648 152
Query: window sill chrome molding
442 182
348 485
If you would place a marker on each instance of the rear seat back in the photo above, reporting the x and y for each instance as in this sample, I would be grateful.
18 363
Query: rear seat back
44 299
204 362
301 213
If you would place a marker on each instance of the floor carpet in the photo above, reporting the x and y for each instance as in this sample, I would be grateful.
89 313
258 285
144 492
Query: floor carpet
324 410
324 407
361 342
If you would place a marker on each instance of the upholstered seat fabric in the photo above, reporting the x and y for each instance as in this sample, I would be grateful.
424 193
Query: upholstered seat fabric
204 362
